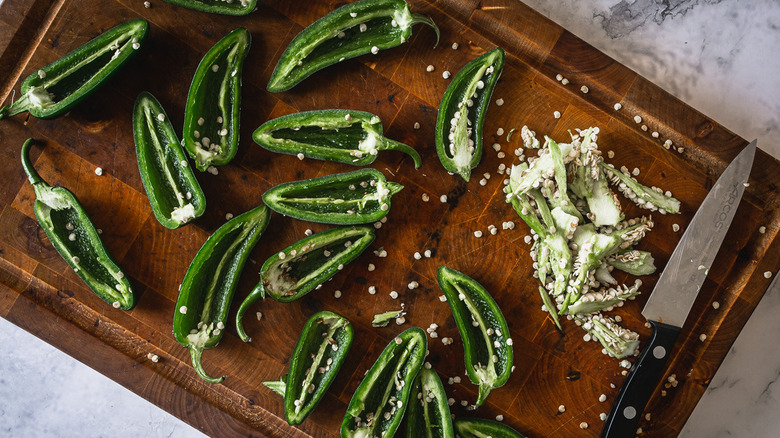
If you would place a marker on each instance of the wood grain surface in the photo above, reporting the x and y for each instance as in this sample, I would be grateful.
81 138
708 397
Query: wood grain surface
41 294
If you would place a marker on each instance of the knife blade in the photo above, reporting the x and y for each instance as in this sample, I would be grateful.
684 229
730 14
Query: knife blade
676 290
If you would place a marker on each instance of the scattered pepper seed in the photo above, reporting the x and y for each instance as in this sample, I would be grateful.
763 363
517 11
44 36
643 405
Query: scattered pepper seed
655 134
559 77
637 119
583 425
454 46
762 229
715 305
478 233
445 74
430 68
561 408
557 114
499 101
443 198
644 127
500 132
337 294
372 290
416 125
584 89
603 398
98 171
417 256
618 106
301 156
675 228
565 81
767 274
393 294
702 337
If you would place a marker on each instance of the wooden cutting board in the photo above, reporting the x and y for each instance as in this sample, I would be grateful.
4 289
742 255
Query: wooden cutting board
39 292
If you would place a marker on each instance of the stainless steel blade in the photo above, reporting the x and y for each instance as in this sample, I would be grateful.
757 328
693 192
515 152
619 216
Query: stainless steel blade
683 276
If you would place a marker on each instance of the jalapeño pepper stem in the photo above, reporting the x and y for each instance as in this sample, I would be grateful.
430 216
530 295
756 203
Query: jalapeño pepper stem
196 354
392 145
422 19
257 294
32 174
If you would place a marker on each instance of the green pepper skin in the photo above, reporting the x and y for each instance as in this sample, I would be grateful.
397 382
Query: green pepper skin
235 7
73 235
212 114
344 136
378 404
56 88
481 428
486 342
429 413
173 191
208 286
459 144
318 356
351 198
306 264
388 23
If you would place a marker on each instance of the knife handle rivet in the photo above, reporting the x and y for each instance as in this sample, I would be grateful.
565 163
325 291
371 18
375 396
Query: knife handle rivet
659 352
629 412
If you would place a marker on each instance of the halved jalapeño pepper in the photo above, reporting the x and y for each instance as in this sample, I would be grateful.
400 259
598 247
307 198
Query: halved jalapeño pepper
429 412
318 356
212 114
306 264
224 7
355 29
486 342
173 191
381 399
351 198
73 235
481 428
211 279
56 88
344 136
462 113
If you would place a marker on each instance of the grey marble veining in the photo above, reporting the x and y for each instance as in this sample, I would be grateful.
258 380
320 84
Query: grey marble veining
719 56
716 55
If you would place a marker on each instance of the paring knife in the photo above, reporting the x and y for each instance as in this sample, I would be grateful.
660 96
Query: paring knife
676 290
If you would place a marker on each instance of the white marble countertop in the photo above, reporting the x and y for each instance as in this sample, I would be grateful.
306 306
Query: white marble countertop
718 56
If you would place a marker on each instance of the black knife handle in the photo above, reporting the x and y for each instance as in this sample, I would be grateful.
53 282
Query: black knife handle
640 383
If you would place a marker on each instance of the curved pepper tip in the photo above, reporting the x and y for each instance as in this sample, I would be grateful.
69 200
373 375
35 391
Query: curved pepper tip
196 354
